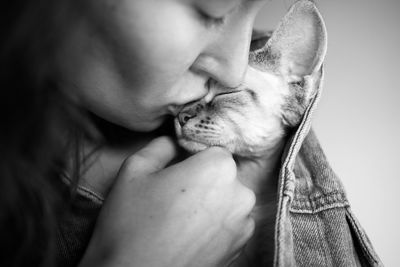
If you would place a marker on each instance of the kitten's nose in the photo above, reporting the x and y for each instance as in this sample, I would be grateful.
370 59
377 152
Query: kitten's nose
184 117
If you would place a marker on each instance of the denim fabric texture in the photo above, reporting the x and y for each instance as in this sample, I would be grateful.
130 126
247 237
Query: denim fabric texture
75 227
314 222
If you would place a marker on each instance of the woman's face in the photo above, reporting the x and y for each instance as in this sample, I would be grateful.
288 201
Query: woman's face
133 62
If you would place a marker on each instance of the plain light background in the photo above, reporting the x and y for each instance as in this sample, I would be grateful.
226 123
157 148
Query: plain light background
357 120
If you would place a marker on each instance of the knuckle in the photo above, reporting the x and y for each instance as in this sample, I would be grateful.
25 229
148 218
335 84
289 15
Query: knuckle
219 153
133 162
222 162
228 163
227 166
249 199
164 139
249 228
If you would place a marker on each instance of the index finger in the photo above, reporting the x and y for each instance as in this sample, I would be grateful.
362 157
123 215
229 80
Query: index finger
151 158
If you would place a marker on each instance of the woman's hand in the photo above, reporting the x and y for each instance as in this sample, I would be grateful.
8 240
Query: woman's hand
193 213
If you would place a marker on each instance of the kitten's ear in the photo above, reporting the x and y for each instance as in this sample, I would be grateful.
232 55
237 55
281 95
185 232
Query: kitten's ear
298 46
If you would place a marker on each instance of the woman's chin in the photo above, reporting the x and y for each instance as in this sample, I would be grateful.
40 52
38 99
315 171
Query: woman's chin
145 126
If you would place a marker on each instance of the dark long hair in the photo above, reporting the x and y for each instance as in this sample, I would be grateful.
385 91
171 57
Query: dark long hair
38 127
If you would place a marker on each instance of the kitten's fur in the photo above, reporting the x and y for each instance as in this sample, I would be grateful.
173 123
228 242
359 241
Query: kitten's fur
252 120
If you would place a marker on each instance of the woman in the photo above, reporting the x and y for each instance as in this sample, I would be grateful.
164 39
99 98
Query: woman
86 87
68 65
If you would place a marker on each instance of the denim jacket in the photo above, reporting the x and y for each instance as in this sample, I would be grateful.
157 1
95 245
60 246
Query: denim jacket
314 223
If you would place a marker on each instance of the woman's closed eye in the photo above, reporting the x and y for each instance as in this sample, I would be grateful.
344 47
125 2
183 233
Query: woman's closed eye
211 20
214 12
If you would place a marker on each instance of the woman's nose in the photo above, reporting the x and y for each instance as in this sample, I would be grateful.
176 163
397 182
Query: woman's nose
226 58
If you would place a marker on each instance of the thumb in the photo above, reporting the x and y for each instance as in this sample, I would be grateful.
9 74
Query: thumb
151 158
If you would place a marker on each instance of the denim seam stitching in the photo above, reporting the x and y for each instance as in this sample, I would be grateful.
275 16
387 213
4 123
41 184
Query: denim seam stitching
83 191
90 194
338 194
309 205
336 197
314 211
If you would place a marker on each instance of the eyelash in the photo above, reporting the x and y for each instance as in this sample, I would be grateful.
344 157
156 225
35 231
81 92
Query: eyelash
209 20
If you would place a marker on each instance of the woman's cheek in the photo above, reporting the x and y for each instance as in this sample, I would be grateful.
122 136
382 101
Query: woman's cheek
164 36
165 59
174 44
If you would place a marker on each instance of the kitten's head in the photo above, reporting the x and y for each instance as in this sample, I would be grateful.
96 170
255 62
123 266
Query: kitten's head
281 79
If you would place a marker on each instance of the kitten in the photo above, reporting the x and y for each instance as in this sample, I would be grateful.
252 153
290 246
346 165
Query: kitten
252 120
277 87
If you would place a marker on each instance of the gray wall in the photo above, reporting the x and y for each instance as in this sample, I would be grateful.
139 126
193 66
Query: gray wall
358 119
